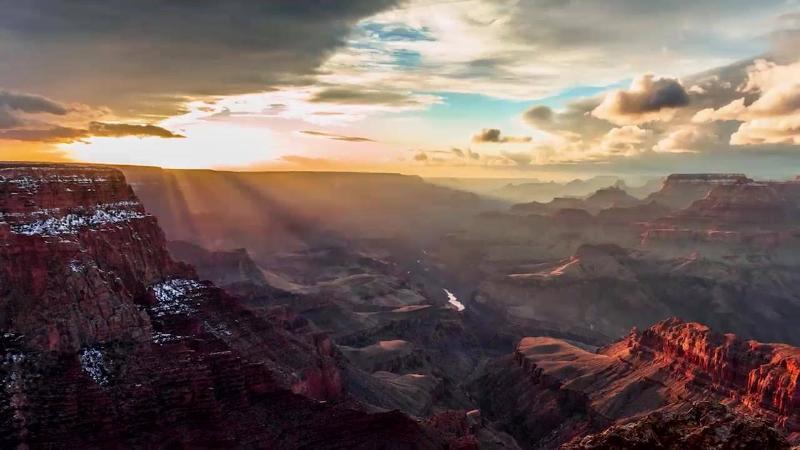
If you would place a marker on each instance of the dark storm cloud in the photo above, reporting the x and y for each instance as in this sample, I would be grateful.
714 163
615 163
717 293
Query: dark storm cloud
142 57
336 137
493 135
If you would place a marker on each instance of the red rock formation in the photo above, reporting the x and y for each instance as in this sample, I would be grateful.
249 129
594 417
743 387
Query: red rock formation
79 249
558 391
760 377
107 342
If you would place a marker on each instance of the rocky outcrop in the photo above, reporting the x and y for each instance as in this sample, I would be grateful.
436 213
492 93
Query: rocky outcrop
760 377
78 255
108 342
231 267
701 425
559 391
743 205
681 190
610 197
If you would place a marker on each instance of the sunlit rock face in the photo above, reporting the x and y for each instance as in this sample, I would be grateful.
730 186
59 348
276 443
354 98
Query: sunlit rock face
108 342
550 391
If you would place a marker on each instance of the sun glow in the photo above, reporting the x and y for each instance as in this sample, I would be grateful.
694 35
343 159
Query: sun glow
205 145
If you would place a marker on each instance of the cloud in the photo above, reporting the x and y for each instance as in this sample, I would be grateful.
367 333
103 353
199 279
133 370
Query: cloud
732 111
361 96
493 135
540 116
521 159
149 60
625 141
15 105
648 99
773 117
686 139
777 130
9 120
59 134
336 137
123 129
29 103
50 135
421 157
529 49
576 117
467 154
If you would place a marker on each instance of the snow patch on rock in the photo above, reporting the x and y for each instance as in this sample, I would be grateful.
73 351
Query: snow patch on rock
175 297
165 338
73 222
93 364
31 184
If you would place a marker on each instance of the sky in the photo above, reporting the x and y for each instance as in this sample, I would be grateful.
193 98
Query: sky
456 88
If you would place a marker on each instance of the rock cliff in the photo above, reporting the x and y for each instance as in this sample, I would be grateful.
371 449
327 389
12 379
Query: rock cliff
550 391
108 342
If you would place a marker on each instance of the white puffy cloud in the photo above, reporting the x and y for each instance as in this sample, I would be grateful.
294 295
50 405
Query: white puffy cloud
774 116
685 139
774 130
624 141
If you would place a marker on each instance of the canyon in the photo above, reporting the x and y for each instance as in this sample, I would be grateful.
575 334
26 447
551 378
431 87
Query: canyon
107 341
148 307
